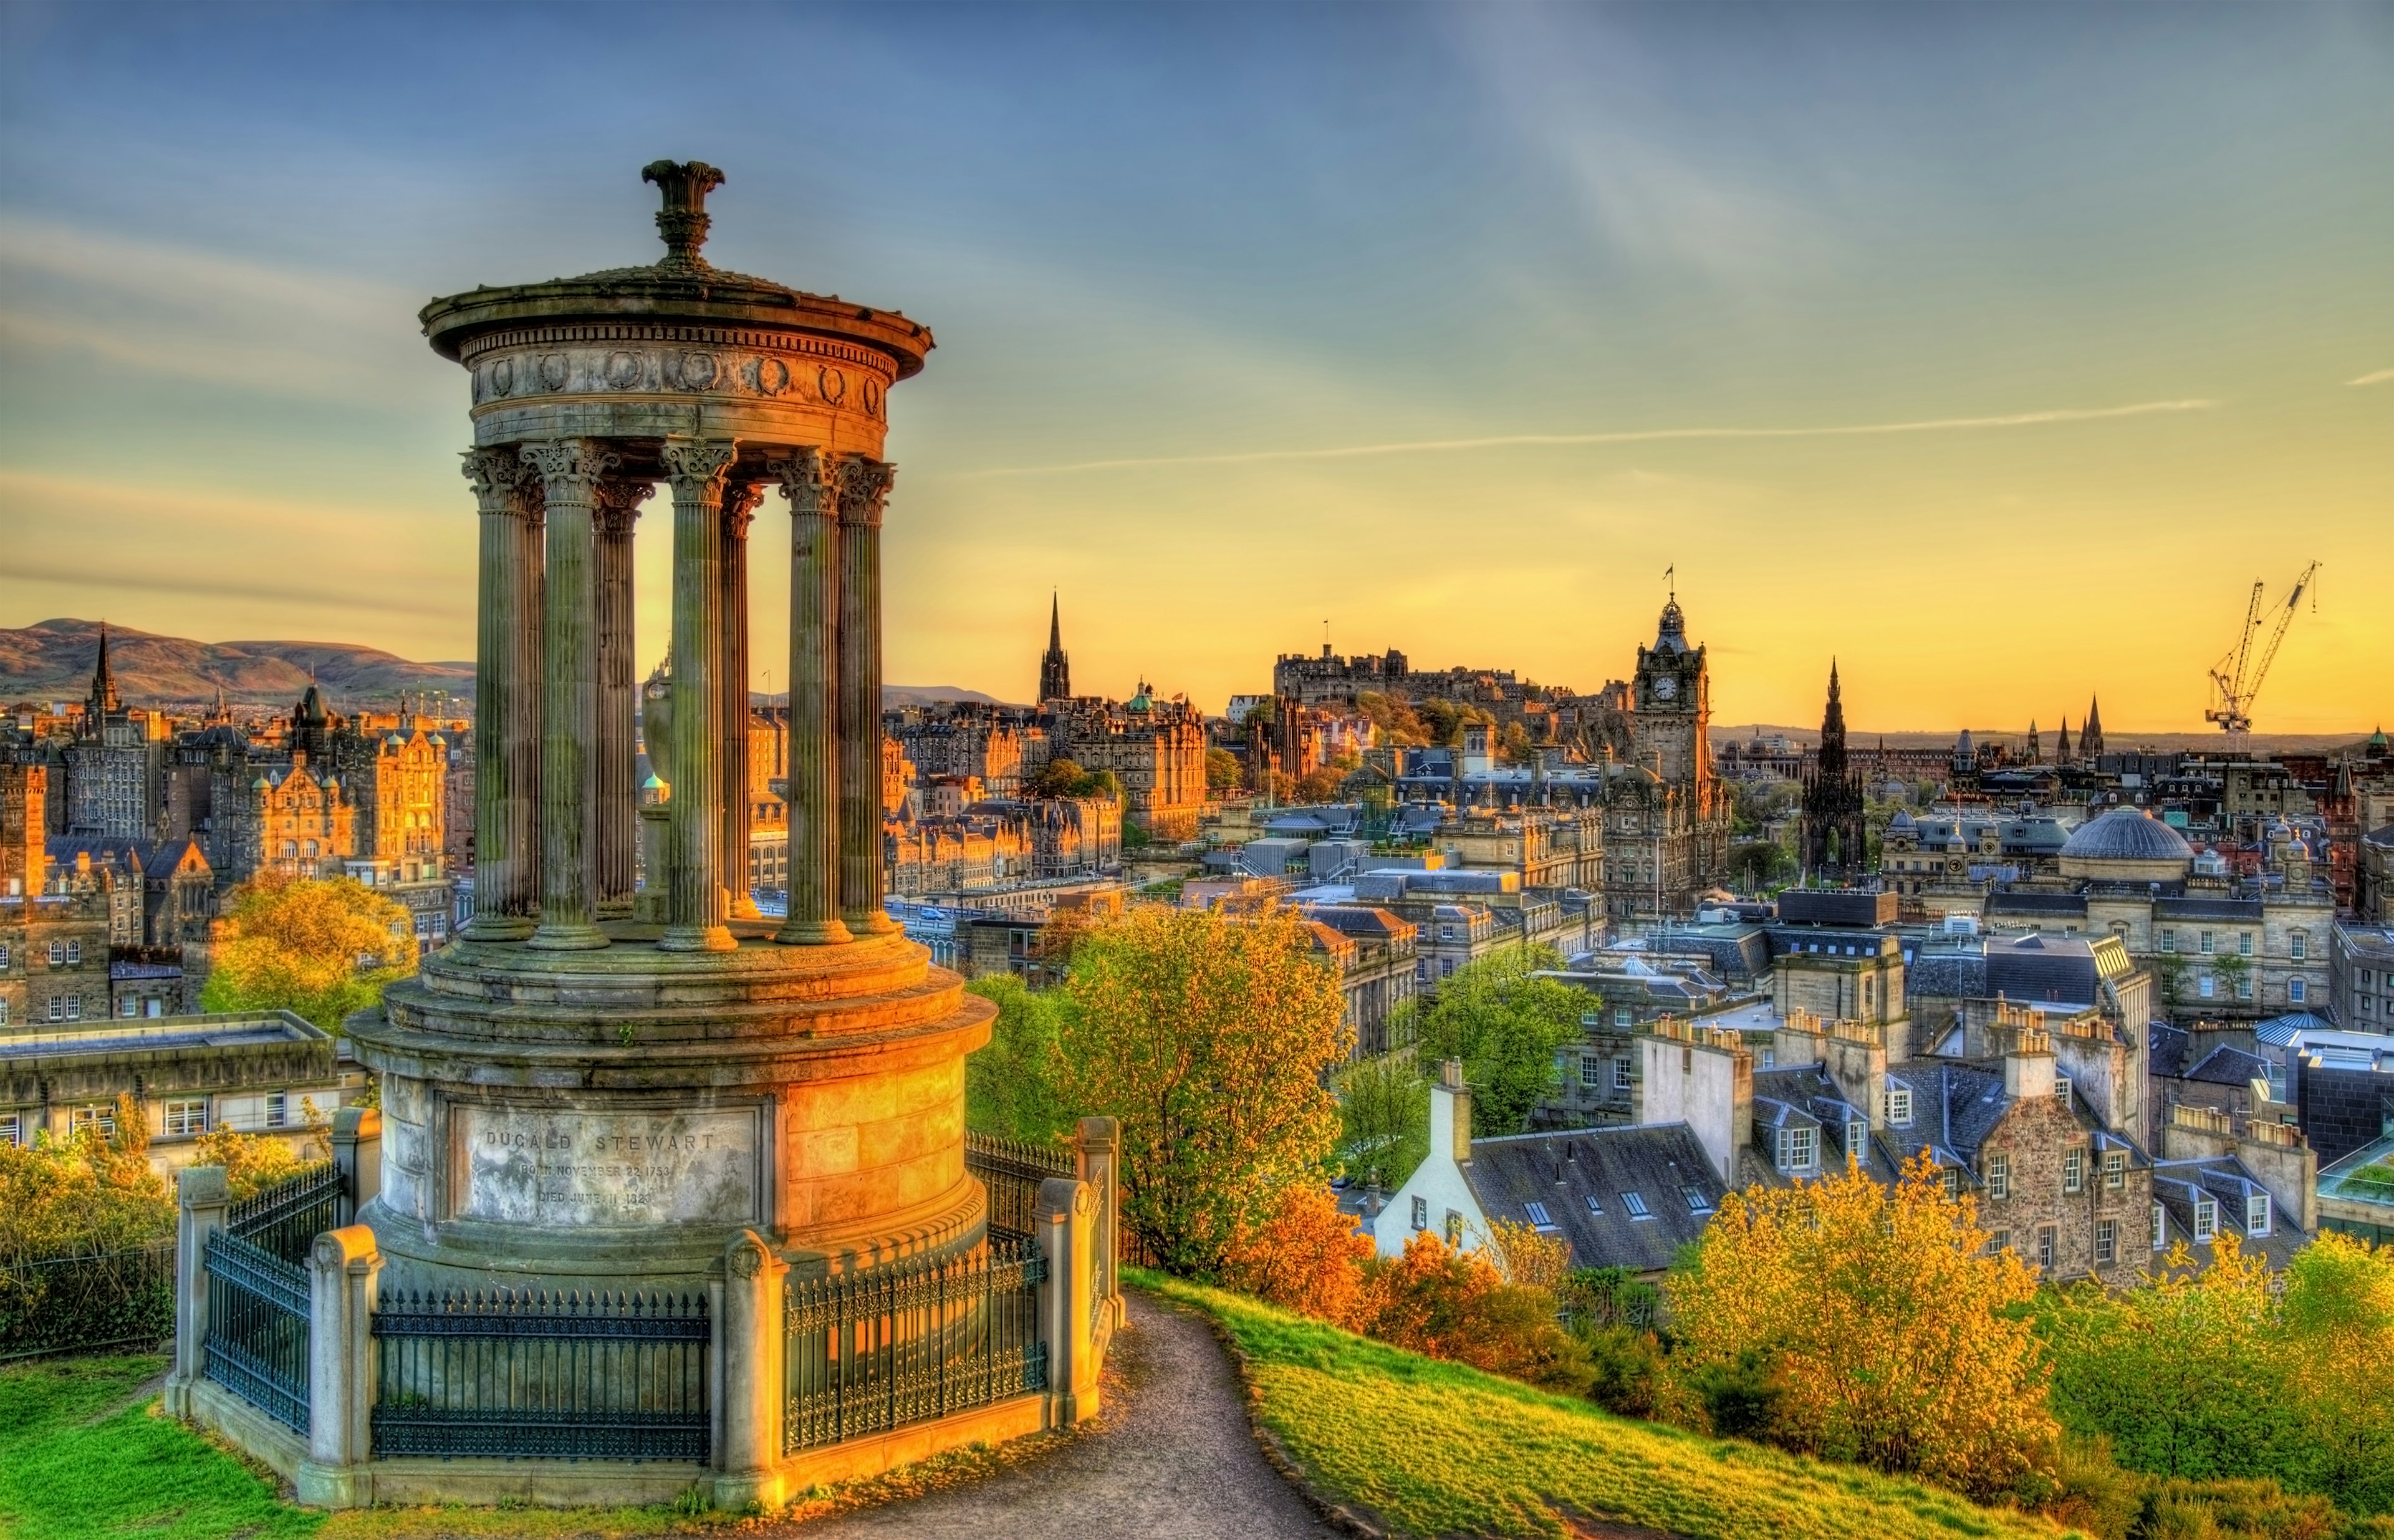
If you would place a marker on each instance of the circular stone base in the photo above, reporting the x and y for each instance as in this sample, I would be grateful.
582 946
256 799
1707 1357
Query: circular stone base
564 1118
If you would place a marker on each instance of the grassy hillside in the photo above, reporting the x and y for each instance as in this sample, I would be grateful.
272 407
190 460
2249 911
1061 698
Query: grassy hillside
1429 1448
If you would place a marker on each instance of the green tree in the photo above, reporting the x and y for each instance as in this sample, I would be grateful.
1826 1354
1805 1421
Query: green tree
1507 1025
1211 1038
1384 1119
1011 1085
322 950
1223 771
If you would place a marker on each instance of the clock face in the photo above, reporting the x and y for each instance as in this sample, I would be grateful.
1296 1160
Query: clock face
1666 687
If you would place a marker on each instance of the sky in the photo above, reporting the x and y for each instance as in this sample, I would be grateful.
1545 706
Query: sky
1993 351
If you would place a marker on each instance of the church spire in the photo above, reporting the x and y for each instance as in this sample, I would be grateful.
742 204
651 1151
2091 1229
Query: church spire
1055 669
103 685
2090 732
2061 751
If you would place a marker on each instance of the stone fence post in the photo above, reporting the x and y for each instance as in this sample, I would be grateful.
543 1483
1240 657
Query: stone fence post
749 1377
201 1197
1096 1149
1065 1226
357 1153
344 1276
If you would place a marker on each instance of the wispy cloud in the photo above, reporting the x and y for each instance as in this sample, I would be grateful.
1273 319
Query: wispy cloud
2375 377
1635 435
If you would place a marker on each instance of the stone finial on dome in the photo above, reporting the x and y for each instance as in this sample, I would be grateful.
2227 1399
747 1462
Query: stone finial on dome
683 219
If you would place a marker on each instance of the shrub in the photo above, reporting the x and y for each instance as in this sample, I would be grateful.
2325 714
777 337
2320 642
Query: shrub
1456 1305
1307 1257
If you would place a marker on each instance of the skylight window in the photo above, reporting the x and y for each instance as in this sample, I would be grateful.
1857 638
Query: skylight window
1595 1205
1697 1201
1636 1204
1538 1215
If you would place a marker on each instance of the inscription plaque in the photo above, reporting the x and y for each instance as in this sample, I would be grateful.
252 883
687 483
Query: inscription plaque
572 1166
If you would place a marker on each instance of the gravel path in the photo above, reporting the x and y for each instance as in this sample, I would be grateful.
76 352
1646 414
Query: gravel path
1171 1457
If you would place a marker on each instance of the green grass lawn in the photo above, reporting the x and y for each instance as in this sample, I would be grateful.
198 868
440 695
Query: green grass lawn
1436 1449
82 1454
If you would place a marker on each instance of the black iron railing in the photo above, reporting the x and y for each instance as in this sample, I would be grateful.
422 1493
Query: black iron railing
1011 1170
876 1350
522 1374
123 1298
257 1327
284 1220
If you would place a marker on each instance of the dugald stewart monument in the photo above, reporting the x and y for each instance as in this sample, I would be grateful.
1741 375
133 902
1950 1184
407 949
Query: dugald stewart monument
660 1191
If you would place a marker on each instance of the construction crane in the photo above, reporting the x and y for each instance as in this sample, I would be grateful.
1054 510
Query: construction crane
2236 678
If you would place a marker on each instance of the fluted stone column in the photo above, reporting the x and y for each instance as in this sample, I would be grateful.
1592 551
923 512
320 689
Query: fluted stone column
694 857
864 487
617 832
813 758
507 698
740 500
569 469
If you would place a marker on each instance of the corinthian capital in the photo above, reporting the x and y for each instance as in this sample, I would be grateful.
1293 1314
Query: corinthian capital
740 500
806 477
617 502
502 484
696 466
863 488
570 466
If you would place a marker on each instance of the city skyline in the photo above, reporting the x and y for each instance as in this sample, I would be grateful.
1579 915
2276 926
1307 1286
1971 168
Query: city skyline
1996 359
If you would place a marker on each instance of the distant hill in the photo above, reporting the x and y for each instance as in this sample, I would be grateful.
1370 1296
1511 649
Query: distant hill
52 660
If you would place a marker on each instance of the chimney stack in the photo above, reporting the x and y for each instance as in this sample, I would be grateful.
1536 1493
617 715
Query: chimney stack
1458 1096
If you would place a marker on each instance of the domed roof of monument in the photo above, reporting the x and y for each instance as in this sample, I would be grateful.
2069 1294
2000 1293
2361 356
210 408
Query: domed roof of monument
2126 834
1671 636
681 286
1902 819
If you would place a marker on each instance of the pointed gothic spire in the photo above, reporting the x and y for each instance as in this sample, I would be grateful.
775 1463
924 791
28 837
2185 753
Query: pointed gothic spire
1055 621
103 683
1054 668
2090 731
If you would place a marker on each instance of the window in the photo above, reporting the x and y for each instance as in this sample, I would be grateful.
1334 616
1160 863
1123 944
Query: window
2160 1227
187 1117
2206 1218
1421 1213
2297 990
74 954
1445 967
2245 987
1797 1149
2061 1089
2256 1214
2169 941
1899 1106
3 964
1770 1058
2073 1171
1621 1078
1594 1205
2115 1170
1623 1016
1858 1138
74 1007
2001 1240
58 1008
1454 1228
1950 1178
2243 944
2106 1243
128 1007
2298 945
1636 1204
1999 1177
2203 943
102 1118
1538 1215
2202 986
3 1013
1697 1201
1591 1073
278 1109
2044 1247
58 954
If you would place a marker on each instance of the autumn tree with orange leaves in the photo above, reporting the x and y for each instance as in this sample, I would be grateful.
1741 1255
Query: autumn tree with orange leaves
1865 1324
1209 1038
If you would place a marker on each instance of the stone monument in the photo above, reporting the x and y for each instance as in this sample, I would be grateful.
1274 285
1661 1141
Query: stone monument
582 1089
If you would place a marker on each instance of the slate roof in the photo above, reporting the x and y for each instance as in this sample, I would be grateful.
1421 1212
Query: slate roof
2051 968
2177 1185
1956 975
1954 1107
2167 1048
1580 1180
2226 1066
2246 910
2057 905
